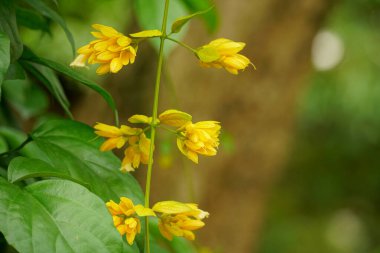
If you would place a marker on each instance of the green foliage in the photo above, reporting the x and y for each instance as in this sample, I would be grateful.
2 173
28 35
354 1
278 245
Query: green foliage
45 10
65 217
4 57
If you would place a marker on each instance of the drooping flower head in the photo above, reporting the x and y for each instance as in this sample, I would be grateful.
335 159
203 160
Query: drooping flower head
125 217
111 49
199 138
116 137
179 219
223 53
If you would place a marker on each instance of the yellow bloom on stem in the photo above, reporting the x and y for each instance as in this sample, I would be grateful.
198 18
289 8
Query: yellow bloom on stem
223 53
112 50
199 138
116 137
179 219
124 216
136 153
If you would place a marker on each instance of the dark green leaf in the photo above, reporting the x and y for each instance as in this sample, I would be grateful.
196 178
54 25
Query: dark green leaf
56 216
47 77
15 72
211 18
180 22
8 26
72 148
45 10
29 100
32 20
3 145
4 57
22 168
28 55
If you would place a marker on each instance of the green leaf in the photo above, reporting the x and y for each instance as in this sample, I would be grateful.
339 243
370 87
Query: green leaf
56 216
72 149
207 54
3 145
28 55
29 100
180 22
211 18
15 72
22 168
46 11
32 20
47 77
5 55
8 26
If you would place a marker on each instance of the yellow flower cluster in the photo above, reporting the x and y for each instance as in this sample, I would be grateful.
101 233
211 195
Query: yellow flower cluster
179 219
111 49
124 217
175 218
223 53
193 138
138 150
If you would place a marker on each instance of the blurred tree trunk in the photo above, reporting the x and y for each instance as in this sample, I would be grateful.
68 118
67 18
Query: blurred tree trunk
256 107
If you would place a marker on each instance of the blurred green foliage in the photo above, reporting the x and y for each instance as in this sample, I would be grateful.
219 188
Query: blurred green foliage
329 198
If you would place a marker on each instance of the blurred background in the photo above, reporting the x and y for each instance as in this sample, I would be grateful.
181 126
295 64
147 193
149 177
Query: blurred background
299 167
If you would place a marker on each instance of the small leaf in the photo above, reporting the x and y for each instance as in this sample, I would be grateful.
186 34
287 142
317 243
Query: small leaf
8 26
207 54
28 55
5 55
146 34
180 22
56 216
211 18
47 77
46 11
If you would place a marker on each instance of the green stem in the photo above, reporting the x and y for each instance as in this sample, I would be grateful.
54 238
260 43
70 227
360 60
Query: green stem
182 44
154 122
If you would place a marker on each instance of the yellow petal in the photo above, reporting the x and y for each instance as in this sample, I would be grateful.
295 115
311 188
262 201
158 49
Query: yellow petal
106 30
115 65
164 232
79 61
109 144
146 34
192 156
103 69
123 41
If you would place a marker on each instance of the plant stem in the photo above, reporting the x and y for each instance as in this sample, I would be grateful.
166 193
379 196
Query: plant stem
182 44
154 122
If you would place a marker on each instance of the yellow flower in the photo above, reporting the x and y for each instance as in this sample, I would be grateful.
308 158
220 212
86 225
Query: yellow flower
117 137
223 53
179 219
136 153
199 138
124 217
112 50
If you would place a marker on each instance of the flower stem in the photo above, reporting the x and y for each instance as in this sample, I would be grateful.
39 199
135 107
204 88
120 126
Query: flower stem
154 122
182 44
